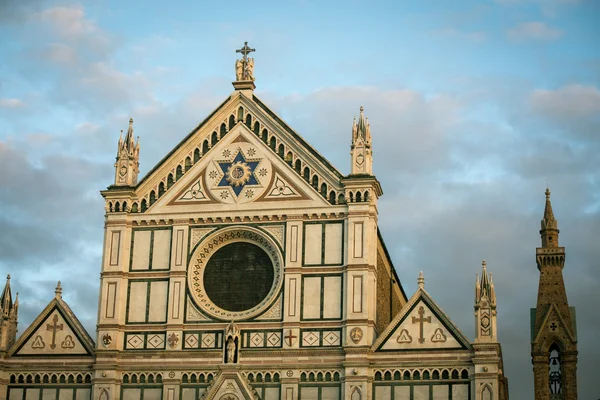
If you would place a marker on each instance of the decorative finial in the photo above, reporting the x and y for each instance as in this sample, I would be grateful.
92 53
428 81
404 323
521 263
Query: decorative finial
547 193
58 290
483 264
8 277
362 109
130 121
421 280
245 66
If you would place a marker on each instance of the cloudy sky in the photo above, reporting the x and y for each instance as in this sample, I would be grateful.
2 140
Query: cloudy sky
475 106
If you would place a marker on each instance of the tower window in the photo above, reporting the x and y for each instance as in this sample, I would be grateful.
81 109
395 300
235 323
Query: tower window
555 370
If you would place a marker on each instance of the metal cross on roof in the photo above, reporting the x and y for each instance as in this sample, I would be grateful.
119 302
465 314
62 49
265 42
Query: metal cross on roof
245 51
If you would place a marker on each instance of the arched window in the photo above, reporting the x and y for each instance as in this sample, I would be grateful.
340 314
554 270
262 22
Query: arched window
341 199
332 197
152 197
289 158
196 155
324 190
273 143
486 393
306 174
298 166
240 114
169 181
231 122
257 128
315 182
223 130
281 150
205 147
265 135
161 189
188 164
178 172
554 370
249 121
213 139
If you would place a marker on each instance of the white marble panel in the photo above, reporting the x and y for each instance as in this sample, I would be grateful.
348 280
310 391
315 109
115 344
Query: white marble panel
111 295
357 293
141 250
313 241
83 394
421 392
49 394
441 392
158 301
330 393
271 393
138 295
65 394
32 394
309 393
312 298
402 393
161 249
294 243
179 247
358 240
131 394
460 392
152 394
15 394
383 392
332 297
115 245
333 243
188 394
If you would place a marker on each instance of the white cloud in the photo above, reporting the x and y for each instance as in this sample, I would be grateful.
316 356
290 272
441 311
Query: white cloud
475 36
11 103
534 30
568 101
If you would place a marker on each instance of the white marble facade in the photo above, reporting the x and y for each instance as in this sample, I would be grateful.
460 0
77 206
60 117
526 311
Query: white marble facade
245 266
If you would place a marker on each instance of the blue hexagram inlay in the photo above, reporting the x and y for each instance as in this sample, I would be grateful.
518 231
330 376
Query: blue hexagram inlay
238 173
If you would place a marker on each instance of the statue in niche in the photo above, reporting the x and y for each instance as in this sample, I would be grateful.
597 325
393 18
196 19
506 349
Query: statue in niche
231 344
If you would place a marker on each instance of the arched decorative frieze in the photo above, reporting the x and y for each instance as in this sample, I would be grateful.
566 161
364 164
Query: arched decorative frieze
320 376
420 374
51 378
197 377
141 377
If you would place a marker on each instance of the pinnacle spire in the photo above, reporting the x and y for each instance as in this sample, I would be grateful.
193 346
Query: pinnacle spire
6 301
58 291
549 225
421 280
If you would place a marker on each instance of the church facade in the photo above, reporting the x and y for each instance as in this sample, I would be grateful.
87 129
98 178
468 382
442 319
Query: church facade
245 266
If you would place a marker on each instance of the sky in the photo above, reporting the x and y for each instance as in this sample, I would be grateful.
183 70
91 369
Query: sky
475 107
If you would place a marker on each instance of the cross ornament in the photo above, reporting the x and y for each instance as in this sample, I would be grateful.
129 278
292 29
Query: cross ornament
55 326
245 51
420 321
290 338
245 65
553 326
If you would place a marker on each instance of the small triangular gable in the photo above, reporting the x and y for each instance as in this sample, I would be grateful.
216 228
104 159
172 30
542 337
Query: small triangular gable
229 385
55 332
240 171
421 325
554 322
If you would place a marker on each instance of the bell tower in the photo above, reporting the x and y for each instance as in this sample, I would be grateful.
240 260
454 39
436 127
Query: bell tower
553 331
128 159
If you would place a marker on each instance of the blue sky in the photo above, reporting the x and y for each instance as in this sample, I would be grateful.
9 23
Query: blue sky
474 105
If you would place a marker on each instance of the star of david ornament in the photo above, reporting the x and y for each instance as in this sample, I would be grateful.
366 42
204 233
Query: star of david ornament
240 173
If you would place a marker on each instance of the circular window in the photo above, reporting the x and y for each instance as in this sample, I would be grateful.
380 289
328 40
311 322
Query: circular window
238 276
236 273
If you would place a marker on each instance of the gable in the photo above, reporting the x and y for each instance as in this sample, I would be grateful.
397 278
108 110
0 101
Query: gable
296 158
229 385
239 171
553 326
54 333
421 325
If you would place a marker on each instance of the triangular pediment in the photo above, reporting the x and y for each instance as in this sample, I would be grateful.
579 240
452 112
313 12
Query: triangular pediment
230 385
421 325
55 332
239 171
554 325
199 171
